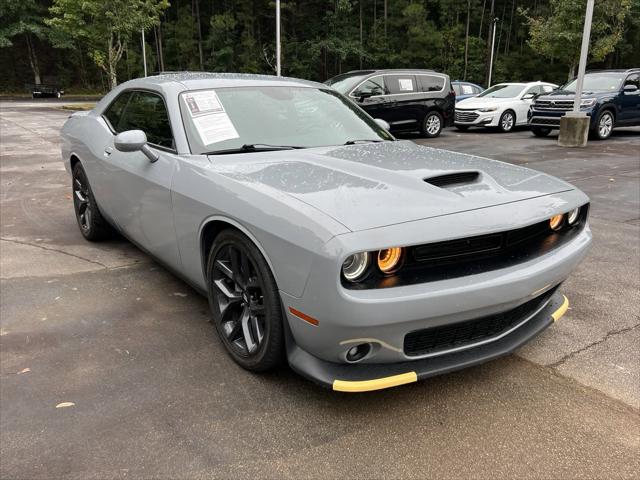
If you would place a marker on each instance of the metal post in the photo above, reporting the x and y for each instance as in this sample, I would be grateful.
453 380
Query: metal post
278 70
144 54
493 42
586 33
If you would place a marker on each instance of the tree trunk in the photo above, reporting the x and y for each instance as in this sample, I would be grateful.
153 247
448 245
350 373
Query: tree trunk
385 18
375 18
489 36
33 60
360 3
484 4
572 71
507 44
197 11
466 41
160 52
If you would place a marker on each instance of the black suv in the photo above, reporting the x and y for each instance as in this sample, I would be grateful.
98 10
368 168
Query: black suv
408 100
610 97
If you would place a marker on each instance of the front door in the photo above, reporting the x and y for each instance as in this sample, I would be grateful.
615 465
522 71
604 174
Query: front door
630 102
140 191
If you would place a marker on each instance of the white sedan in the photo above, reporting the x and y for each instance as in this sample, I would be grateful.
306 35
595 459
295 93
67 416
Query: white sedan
504 106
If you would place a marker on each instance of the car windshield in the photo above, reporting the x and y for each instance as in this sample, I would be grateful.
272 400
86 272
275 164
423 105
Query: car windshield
345 82
503 91
597 83
263 117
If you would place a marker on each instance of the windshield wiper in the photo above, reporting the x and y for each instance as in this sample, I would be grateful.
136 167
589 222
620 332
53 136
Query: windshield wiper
366 140
254 147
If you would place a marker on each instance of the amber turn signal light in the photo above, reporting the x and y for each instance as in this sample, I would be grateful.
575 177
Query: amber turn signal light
555 222
389 259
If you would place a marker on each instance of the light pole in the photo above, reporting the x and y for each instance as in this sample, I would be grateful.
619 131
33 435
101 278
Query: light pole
278 66
144 54
574 125
493 42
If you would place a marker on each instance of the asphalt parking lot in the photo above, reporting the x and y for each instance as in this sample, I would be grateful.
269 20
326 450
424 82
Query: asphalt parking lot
153 394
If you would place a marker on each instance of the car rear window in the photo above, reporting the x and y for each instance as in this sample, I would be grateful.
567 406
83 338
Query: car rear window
431 83
400 83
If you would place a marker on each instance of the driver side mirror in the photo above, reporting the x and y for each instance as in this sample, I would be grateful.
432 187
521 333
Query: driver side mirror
630 88
135 141
362 96
382 123
528 96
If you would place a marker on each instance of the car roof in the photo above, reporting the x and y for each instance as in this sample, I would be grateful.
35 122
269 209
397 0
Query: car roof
199 80
525 83
392 70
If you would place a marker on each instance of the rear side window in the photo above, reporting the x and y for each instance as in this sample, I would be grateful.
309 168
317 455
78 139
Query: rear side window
430 83
467 90
400 83
476 90
456 88
547 88
146 111
633 80
372 87
113 114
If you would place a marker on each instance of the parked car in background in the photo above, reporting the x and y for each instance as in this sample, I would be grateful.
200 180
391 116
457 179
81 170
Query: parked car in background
610 97
465 89
408 100
42 90
503 106
318 238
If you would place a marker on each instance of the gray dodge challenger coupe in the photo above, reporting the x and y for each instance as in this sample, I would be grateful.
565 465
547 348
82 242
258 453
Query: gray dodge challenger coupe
317 237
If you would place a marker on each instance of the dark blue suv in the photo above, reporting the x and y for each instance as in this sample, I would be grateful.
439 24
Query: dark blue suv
610 97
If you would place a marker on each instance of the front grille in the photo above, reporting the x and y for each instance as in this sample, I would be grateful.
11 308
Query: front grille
552 122
466 115
447 337
562 105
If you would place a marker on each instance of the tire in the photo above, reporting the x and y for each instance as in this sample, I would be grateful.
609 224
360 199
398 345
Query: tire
244 302
92 224
432 125
604 125
540 131
507 121
462 128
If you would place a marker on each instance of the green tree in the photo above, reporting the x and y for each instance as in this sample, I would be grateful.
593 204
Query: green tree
104 27
558 36
23 19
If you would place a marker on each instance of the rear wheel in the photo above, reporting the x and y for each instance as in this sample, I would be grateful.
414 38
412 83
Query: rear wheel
432 125
540 131
244 301
92 224
507 121
604 125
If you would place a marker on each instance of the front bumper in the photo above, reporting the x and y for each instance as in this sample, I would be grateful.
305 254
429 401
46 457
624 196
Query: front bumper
470 118
367 377
547 118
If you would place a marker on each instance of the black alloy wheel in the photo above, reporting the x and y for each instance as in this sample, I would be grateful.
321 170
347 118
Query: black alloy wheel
92 225
245 302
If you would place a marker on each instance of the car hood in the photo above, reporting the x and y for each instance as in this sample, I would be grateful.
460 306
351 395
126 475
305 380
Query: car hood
378 184
481 102
569 95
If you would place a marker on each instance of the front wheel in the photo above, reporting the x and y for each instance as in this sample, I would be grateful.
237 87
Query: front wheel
604 126
92 224
245 303
540 131
432 125
507 121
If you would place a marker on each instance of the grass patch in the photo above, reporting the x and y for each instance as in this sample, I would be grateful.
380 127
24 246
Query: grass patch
78 106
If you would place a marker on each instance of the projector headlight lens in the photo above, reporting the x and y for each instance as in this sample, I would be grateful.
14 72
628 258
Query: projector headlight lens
573 216
355 266
389 259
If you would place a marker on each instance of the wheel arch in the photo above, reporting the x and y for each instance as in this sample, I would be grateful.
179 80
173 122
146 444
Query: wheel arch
211 228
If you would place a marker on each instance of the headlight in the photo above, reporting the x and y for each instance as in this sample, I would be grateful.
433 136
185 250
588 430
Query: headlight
389 259
555 222
355 266
589 102
573 215
488 109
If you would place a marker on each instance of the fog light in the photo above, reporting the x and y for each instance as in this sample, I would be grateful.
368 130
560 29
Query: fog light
555 222
357 353
389 259
573 215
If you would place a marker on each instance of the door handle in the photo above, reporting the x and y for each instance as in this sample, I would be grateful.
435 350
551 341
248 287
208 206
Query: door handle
108 151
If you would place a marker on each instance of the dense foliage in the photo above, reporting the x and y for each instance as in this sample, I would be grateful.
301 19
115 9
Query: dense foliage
86 44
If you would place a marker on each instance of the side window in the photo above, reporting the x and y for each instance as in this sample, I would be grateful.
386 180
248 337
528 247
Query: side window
400 83
536 89
373 86
547 88
633 79
147 112
113 114
430 83
456 88
477 90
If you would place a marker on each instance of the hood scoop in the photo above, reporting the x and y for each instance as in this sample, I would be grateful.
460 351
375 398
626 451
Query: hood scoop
453 179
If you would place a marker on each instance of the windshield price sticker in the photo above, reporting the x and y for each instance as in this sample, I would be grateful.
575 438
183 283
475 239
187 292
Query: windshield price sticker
209 117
